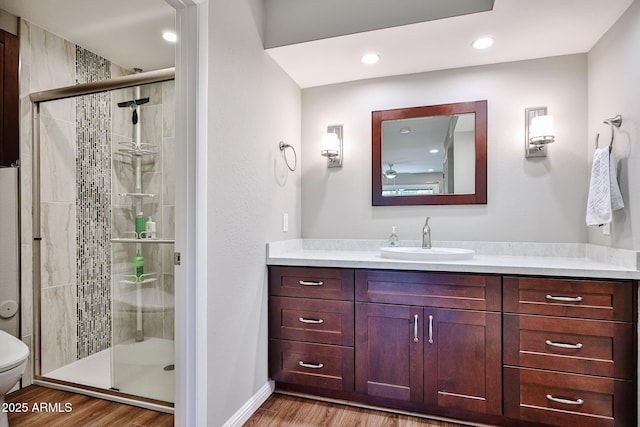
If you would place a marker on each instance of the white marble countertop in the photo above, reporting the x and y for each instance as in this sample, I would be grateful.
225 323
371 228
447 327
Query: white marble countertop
547 259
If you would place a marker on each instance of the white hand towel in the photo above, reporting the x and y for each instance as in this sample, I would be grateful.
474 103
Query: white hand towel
604 193
616 196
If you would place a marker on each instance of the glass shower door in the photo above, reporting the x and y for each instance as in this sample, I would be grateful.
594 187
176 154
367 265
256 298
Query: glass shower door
142 355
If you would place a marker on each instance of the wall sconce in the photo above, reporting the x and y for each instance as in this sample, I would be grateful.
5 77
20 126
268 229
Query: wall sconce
538 132
332 146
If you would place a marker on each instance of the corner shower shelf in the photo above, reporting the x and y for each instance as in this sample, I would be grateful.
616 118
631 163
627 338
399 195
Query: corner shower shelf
151 299
137 149
136 195
134 280
143 240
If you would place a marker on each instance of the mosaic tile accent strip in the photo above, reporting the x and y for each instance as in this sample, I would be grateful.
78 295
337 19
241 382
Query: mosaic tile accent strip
93 207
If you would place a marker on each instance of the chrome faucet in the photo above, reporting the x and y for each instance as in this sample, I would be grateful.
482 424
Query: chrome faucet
426 235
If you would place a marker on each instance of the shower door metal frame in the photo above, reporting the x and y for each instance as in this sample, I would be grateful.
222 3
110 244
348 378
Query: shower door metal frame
52 95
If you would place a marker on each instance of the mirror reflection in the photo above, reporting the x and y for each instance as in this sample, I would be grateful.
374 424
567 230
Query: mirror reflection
430 155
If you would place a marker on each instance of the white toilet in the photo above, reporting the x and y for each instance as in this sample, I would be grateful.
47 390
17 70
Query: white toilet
13 361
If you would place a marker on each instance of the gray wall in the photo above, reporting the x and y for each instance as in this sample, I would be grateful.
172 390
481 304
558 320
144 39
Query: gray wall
614 88
540 200
9 261
253 105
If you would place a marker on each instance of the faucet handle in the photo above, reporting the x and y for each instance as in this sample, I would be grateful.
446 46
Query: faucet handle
427 221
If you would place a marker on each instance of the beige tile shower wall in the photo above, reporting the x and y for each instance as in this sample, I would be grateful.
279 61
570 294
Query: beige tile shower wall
46 62
58 231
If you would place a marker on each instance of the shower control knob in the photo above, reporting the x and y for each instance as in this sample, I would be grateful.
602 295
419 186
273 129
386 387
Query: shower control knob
8 309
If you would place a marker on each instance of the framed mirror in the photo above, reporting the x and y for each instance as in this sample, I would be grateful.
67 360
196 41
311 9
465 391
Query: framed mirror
431 155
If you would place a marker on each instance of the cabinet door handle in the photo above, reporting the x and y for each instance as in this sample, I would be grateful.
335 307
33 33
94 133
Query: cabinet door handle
430 329
310 365
563 345
415 328
313 321
564 299
311 282
565 401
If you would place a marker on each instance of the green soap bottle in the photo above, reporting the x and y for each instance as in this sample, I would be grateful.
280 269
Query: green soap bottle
138 266
139 224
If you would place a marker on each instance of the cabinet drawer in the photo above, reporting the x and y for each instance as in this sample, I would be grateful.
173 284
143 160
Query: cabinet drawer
308 282
316 365
591 347
588 299
568 400
312 320
463 291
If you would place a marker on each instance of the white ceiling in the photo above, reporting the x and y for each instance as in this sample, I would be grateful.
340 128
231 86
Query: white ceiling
128 32
522 29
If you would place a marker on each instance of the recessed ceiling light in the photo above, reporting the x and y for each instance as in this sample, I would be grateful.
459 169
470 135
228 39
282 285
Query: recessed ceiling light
434 151
405 130
170 36
483 43
370 58
429 170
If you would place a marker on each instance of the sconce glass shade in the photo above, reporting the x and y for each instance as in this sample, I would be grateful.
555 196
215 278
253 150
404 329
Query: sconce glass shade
541 130
330 145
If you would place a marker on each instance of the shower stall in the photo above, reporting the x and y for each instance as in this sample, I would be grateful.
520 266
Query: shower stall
104 232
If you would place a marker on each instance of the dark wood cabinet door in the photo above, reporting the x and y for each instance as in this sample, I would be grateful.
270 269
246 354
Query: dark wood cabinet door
389 351
9 108
462 360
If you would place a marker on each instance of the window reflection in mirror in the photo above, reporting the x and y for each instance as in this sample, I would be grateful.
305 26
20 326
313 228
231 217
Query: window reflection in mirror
430 155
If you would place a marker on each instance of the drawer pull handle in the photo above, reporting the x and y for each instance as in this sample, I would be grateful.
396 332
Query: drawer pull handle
313 321
564 299
415 328
565 401
430 329
310 365
311 283
563 345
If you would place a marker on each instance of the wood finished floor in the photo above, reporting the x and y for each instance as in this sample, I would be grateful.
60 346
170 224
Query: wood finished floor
85 411
280 410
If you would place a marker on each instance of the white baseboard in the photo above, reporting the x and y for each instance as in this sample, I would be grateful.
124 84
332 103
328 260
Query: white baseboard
251 406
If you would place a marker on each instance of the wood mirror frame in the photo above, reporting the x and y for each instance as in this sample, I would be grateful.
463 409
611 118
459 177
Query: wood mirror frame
480 194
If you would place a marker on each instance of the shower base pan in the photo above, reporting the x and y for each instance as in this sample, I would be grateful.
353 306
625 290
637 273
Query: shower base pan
139 370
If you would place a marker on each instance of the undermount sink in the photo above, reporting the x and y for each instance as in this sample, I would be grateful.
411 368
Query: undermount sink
412 253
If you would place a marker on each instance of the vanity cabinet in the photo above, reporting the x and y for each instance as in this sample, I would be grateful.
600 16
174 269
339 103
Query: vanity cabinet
311 327
441 347
569 352
501 350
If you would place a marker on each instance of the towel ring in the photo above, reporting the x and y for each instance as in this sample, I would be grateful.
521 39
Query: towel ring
283 147
614 121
